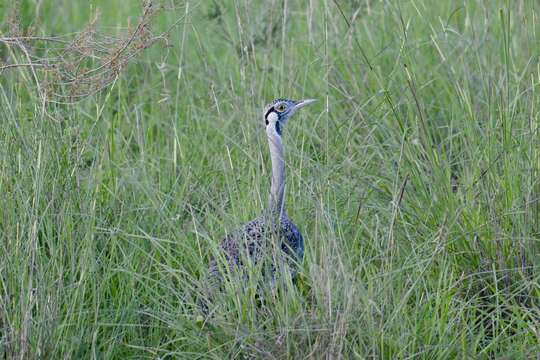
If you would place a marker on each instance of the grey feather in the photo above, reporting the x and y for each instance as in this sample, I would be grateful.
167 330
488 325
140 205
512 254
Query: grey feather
253 238
258 239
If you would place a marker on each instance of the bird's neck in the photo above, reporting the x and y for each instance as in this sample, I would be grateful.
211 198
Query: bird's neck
277 190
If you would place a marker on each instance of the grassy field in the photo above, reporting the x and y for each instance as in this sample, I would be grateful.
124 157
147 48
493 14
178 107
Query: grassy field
415 181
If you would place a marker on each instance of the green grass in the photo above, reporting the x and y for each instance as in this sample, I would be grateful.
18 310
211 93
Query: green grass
415 181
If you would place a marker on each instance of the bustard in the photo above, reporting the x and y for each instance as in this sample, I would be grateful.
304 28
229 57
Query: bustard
252 240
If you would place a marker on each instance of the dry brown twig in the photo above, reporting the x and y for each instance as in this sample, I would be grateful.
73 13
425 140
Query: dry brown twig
68 68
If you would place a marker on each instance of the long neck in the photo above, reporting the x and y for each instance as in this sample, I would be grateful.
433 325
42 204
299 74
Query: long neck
278 173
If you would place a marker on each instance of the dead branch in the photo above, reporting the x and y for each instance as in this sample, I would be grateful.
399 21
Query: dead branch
68 68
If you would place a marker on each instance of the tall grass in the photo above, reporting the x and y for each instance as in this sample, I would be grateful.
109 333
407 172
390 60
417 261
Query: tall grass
415 182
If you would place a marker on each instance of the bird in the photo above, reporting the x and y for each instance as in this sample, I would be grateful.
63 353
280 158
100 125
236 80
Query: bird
253 240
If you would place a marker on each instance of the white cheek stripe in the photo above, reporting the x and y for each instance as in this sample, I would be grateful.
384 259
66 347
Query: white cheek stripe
272 117
271 127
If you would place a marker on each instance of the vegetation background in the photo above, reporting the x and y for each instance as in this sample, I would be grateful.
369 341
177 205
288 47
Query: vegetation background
414 179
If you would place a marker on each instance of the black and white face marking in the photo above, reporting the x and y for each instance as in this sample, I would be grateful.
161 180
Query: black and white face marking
273 122
277 114
279 111
278 128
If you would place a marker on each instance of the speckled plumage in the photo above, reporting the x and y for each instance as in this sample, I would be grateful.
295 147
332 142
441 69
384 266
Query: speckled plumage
272 233
254 238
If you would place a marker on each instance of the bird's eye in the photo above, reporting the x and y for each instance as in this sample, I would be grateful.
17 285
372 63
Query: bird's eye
280 107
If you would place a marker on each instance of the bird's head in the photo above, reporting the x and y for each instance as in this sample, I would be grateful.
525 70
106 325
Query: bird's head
279 111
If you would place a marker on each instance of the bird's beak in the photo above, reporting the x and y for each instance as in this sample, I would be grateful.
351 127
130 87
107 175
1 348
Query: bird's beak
302 103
